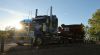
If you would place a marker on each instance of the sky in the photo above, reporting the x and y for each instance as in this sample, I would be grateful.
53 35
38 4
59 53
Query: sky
67 11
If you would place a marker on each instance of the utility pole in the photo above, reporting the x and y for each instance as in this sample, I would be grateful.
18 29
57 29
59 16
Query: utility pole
2 42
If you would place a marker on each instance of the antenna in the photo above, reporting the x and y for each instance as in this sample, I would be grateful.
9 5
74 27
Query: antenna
30 14
47 11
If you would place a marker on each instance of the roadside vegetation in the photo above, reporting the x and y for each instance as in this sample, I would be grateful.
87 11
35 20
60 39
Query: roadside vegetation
94 26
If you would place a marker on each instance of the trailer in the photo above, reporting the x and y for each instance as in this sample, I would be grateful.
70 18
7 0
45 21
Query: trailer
72 33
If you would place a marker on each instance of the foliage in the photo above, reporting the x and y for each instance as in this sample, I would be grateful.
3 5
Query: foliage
2 33
7 33
94 22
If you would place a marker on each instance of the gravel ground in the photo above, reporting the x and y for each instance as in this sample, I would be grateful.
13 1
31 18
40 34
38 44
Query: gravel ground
69 49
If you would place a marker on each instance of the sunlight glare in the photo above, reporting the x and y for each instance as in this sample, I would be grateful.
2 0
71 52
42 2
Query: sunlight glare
18 26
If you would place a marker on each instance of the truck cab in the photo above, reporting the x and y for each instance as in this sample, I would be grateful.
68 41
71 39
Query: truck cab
48 27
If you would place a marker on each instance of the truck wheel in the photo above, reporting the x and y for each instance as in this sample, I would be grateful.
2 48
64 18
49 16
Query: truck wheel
39 41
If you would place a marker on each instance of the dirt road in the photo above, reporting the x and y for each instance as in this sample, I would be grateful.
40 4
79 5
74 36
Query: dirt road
70 49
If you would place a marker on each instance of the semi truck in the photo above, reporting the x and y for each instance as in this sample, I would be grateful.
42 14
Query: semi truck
51 33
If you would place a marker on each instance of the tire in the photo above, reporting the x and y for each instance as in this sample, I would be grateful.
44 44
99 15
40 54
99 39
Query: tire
38 42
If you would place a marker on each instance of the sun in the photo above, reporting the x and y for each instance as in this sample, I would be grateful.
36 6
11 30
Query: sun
18 26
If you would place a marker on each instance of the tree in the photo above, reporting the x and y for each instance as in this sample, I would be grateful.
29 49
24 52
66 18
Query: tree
10 31
94 22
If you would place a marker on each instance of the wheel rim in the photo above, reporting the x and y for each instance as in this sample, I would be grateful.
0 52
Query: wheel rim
39 41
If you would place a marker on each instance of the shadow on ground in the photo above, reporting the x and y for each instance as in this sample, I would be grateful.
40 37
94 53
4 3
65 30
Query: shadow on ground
69 49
